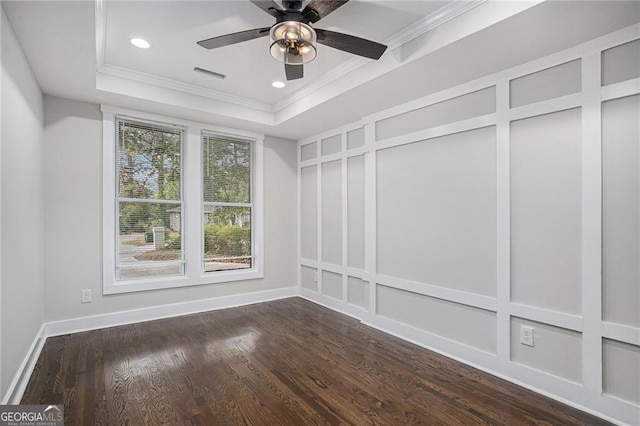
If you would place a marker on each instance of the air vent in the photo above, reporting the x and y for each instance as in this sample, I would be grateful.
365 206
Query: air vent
210 73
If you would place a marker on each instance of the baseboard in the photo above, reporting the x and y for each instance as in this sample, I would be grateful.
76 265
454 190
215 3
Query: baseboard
22 376
333 304
569 394
55 328
75 325
556 388
519 374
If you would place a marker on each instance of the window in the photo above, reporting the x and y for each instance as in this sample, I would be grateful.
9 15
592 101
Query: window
148 167
226 185
182 203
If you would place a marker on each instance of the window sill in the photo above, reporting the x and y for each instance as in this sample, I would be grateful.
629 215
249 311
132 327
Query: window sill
159 283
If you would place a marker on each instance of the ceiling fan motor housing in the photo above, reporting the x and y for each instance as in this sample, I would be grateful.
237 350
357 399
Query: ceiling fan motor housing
293 40
292 4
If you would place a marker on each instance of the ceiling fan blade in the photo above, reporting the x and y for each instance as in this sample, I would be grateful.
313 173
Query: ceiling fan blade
268 6
318 9
227 39
352 44
293 72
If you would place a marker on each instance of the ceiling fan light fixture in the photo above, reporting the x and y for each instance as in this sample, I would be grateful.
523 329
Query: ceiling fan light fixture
293 43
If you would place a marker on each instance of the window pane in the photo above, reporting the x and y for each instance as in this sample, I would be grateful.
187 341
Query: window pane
226 169
227 238
149 240
148 160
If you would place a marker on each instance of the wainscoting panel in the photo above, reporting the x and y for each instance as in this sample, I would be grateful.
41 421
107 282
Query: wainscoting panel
454 220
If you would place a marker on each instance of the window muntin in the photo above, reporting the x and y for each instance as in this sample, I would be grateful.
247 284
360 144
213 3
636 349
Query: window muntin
149 200
185 214
227 170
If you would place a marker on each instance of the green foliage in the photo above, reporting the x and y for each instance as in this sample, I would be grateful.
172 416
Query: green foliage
229 216
149 162
149 167
133 217
227 170
155 223
227 241
173 241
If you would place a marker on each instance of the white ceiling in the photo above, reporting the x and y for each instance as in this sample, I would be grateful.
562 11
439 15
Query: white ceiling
174 27
80 50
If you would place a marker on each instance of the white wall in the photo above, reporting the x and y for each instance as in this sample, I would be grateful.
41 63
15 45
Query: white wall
73 201
22 216
504 202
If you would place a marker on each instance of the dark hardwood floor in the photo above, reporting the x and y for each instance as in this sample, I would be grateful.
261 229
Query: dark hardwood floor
284 362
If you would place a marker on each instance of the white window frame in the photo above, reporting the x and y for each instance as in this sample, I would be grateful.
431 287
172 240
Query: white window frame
193 233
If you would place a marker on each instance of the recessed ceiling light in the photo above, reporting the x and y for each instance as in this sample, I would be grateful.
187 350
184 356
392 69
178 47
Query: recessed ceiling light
141 43
278 84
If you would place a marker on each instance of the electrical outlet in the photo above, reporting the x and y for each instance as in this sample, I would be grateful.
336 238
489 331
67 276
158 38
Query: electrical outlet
85 296
526 335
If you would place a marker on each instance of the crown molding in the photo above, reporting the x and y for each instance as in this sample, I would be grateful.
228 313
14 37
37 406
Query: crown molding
167 83
101 7
424 25
432 21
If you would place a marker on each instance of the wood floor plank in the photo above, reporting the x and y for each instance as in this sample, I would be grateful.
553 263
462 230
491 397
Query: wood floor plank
288 362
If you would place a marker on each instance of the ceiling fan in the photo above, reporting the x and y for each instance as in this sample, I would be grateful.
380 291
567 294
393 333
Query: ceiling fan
293 40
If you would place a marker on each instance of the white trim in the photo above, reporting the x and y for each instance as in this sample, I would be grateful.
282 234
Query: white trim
336 269
191 189
147 116
276 110
345 215
546 316
298 217
439 131
620 332
101 31
479 301
327 158
319 273
591 232
566 391
432 21
621 90
421 27
108 193
330 267
311 263
330 133
56 328
308 163
587 322
616 38
434 98
370 220
329 302
503 222
25 369
76 325
167 83
546 107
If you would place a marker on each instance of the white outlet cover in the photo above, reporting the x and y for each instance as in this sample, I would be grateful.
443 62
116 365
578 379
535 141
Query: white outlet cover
85 296
526 335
